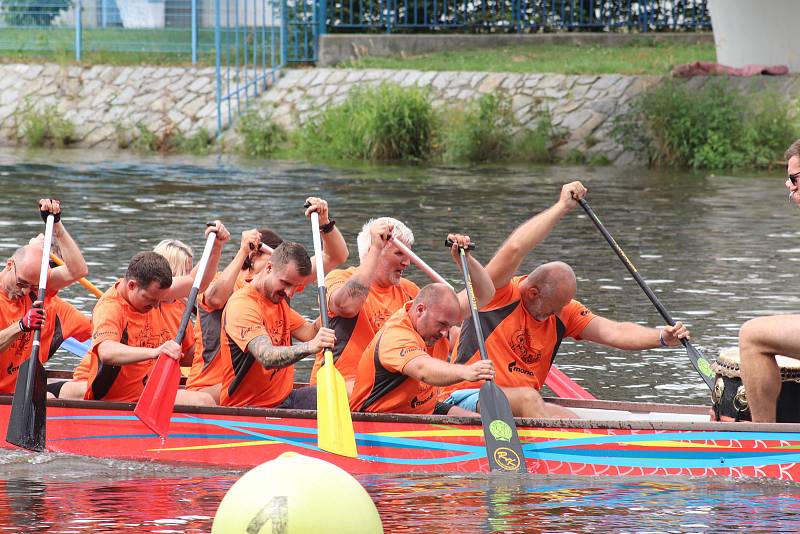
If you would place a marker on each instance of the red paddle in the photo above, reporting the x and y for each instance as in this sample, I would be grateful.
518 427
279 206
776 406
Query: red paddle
155 405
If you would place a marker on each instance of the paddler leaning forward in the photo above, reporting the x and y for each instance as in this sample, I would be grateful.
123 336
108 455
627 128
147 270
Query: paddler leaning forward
130 328
405 363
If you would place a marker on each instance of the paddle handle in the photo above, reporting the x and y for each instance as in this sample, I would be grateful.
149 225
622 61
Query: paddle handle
449 243
419 262
628 264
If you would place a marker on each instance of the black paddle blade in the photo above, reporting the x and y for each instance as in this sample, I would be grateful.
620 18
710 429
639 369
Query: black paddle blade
503 447
700 363
26 425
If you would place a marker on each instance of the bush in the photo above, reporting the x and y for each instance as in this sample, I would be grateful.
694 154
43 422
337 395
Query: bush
481 131
33 12
535 145
711 128
261 136
199 143
382 123
45 127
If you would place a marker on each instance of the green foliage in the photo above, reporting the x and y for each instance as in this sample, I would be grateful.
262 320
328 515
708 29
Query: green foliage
481 131
575 157
534 145
147 140
199 143
675 125
381 123
43 128
599 160
261 136
33 12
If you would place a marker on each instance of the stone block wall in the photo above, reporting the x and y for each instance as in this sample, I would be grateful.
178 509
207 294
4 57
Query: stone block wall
99 99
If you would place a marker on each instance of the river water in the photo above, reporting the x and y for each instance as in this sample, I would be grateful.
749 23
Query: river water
717 250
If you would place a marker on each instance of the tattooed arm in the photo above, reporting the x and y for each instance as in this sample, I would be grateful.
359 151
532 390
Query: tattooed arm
272 357
348 300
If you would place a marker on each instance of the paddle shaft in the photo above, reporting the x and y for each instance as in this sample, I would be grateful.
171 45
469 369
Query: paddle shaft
473 305
26 423
83 281
198 278
628 264
37 335
700 363
321 289
419 262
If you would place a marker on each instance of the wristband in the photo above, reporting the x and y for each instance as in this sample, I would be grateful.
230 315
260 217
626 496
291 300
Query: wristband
327 228
661 339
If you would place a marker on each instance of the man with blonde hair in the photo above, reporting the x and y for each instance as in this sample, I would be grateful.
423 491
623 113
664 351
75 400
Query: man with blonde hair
762 338
361 299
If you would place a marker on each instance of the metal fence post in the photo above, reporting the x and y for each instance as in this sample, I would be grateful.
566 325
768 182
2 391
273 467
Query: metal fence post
194 32
284 31
323 18
78 30
104 13
218 61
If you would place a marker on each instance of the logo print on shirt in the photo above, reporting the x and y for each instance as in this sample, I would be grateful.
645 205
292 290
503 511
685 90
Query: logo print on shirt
417 402
521 345
379 317
512 368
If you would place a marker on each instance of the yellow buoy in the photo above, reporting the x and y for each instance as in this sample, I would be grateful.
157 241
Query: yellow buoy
296 494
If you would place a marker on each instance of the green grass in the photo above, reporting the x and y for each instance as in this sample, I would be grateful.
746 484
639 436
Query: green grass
118 46
638 58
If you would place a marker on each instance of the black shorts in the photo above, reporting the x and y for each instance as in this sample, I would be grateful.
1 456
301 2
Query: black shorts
304 398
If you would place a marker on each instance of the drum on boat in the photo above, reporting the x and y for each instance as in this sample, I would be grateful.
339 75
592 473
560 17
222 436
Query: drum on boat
730 399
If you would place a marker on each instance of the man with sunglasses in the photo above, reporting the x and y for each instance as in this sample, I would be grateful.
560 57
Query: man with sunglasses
21 314
762 338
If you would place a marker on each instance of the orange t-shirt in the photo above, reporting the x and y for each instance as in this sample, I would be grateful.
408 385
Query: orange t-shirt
246 382
521 348
63 321
353 334
380 383
206 368
115 320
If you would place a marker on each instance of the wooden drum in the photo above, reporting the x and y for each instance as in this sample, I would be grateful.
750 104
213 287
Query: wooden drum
730 399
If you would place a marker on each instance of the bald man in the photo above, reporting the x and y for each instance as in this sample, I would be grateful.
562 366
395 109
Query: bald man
406 361
21 314
530 315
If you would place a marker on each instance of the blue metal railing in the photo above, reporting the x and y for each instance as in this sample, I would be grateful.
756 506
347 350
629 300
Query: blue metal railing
249 49
183 28
516 15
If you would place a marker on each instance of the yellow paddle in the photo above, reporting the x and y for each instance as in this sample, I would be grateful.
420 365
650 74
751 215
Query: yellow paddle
334 425
83 281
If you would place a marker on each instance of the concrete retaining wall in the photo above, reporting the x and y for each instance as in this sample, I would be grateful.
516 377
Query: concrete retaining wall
336 48
99 99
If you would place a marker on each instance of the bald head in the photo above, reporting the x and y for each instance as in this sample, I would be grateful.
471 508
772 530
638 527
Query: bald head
22 270
548 288
434 311
436 293
555 277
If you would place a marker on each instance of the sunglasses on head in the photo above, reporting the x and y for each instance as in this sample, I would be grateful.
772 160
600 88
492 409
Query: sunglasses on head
793 178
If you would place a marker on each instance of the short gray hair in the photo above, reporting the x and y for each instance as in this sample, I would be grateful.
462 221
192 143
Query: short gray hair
401 231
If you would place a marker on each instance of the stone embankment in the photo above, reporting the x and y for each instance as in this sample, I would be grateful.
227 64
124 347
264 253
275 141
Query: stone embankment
579 106
103 100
